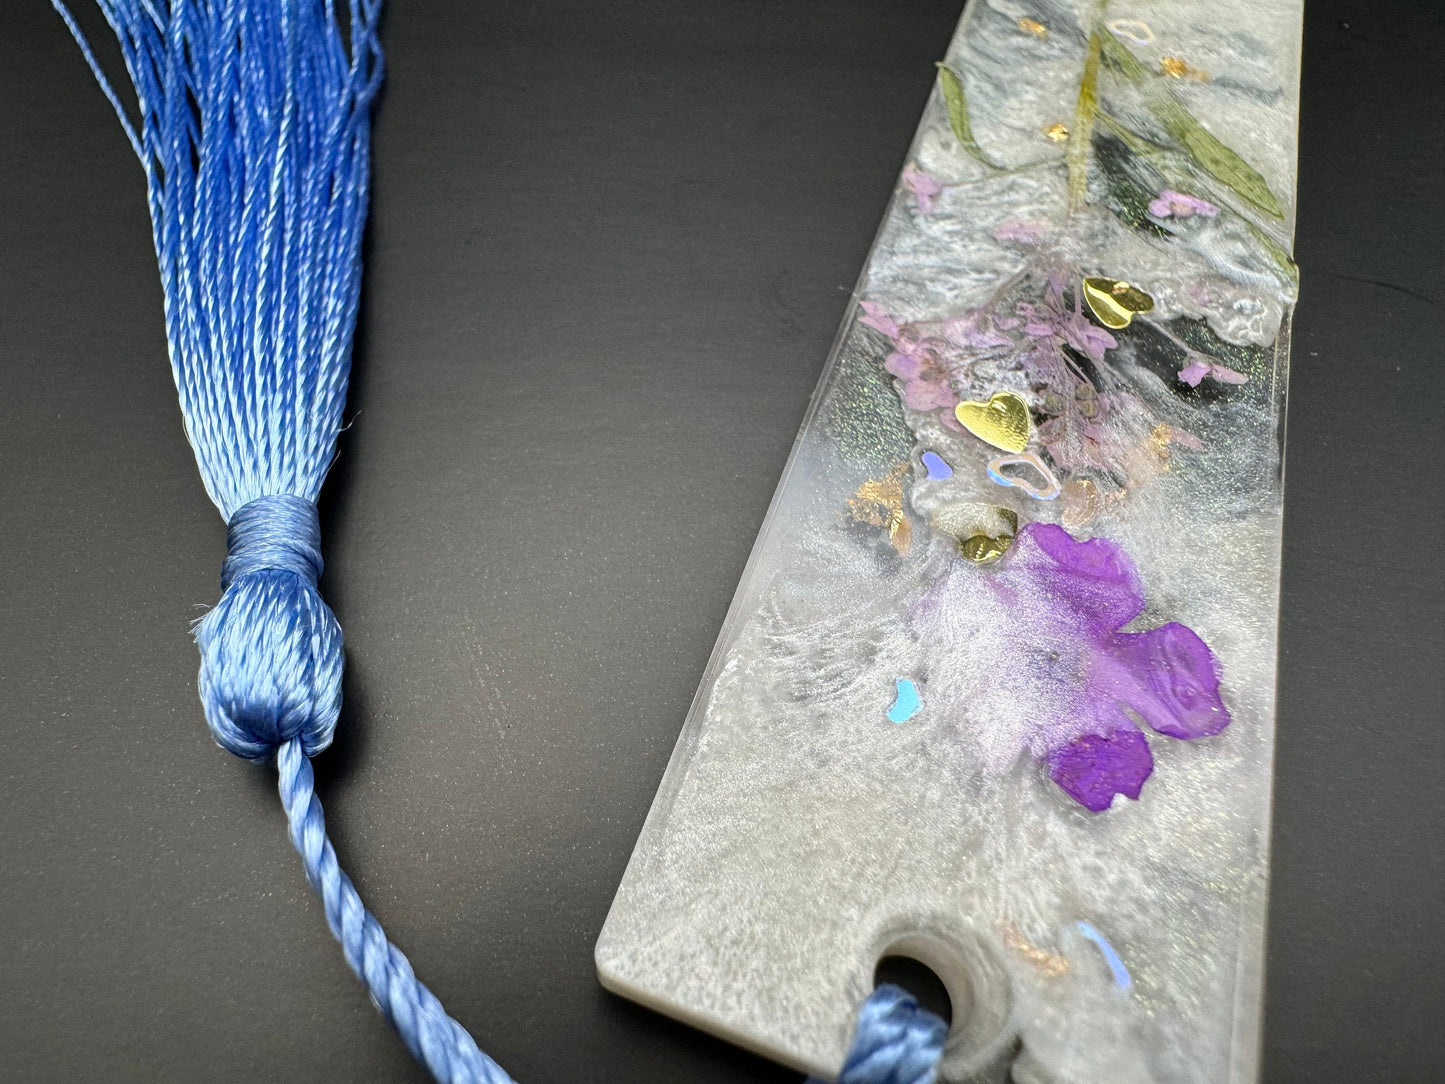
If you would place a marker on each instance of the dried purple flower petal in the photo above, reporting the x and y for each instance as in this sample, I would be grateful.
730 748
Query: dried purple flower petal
925 187
1173 680
875 317
1093 769
1062 682
1194 372
1181 205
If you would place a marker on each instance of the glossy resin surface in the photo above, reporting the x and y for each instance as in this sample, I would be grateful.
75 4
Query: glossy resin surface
996 691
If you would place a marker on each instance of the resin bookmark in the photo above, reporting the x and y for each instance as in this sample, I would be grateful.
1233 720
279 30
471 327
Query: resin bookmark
997 688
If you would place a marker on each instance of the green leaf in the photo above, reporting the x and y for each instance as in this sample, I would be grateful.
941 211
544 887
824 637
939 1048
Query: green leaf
1229 168
953 98
1082 132
1208 153
1174 169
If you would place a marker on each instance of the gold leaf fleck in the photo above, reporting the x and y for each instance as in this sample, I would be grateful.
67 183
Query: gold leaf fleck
1176 68
878 502
1058 131
1034 27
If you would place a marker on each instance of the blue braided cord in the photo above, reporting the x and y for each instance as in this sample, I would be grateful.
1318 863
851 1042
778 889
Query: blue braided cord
254 134
433 1037
895 1041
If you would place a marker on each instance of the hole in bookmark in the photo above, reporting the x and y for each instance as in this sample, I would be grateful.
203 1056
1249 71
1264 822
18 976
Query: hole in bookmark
927 953
918 979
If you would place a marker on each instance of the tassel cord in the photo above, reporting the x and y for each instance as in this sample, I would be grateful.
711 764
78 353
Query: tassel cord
433 1037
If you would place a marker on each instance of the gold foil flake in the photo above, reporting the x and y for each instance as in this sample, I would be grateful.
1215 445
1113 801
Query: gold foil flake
1058 131
1003 421
1050 964
878 502
1159 440
1034 27
1176 68
1081 502
900 533
1115 303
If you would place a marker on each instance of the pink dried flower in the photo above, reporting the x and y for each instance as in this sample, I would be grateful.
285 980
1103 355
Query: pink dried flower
1181 205
926 188
1198 368
874 317
1026 233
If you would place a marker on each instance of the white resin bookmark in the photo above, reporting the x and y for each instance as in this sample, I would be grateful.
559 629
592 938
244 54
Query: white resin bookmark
997 688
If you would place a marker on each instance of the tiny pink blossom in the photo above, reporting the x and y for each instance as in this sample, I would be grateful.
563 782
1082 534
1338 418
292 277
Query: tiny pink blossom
926 188
1027 233
875 317
925 395
973 332
902 365
1194 372
1198 368
1181 205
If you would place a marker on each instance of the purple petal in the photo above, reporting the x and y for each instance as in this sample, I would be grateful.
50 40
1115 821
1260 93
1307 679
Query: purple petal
925 187
926 395
1175 680
1026 232
1094 768
1194 372
874 317
1225 375
1094 579
973 331
903 366
1086 338
1161 208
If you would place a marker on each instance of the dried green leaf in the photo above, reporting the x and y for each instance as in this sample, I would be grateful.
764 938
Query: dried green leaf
1208 153
1173 170
1230 169
1082 132
957 103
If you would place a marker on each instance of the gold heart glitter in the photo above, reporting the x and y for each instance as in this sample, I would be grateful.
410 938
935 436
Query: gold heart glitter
1003 421
983 549
984 531
1115 303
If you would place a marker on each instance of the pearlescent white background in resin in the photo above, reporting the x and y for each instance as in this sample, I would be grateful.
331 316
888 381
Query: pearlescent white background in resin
798 834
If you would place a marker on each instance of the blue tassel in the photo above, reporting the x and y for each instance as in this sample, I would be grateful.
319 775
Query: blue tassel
895 1041
254 135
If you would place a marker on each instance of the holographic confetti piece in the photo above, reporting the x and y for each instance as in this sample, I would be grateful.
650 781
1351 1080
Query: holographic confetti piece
1046 492
905 703
936 467
1116 964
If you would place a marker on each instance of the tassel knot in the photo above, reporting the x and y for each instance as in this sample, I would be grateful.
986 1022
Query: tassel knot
271 658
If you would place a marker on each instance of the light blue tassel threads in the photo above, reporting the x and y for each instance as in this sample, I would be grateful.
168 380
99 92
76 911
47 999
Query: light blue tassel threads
254 136
255 139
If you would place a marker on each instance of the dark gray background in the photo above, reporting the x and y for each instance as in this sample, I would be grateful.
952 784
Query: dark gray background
610 248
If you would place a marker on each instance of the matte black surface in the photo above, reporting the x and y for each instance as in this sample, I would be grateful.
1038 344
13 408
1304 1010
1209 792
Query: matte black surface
610 248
